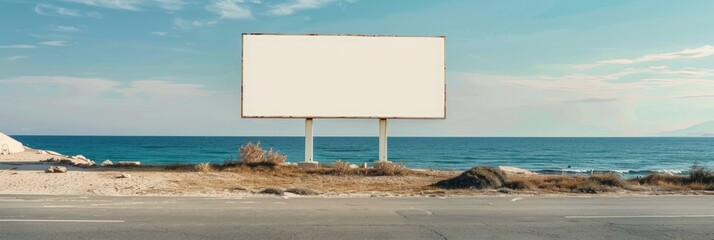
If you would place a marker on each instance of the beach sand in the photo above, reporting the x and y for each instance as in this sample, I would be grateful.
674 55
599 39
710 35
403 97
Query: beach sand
30 178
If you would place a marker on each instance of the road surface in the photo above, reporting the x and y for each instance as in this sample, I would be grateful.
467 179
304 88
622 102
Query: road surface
510 217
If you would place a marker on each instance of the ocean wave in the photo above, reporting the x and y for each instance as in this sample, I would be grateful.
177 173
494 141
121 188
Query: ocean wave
618 171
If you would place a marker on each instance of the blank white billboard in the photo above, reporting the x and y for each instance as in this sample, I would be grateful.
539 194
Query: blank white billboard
343 76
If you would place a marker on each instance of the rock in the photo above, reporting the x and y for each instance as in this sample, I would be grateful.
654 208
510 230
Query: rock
353 166
125 164
56 169
43 152
80 157
363 165
124 175
107 163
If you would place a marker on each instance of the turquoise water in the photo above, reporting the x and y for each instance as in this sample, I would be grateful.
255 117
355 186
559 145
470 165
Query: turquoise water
630 156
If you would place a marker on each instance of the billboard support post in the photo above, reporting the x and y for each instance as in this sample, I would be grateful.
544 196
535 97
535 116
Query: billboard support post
308 140
382 139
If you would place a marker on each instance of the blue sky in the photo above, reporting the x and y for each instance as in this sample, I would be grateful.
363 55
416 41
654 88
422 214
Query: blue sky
515 68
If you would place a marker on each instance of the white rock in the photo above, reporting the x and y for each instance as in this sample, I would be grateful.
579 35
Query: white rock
124 175
80 157
43 152
363 165
354 166
107 163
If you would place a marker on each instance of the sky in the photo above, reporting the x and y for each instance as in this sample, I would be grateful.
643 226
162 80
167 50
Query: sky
515 68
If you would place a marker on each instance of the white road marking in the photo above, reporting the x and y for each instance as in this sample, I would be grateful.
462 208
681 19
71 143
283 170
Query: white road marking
516 199
62 220
642 216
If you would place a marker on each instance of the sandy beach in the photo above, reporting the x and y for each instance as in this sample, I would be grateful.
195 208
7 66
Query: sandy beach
30 178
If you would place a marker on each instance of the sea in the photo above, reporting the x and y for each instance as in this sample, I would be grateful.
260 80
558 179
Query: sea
627 156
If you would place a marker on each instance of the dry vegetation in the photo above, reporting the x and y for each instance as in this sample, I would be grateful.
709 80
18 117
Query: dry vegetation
493 178
266 172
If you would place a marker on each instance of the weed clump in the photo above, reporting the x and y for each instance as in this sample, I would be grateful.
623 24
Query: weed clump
253 155
340 167
388 169
203 167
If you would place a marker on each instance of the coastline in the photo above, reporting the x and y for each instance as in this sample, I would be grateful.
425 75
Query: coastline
30 178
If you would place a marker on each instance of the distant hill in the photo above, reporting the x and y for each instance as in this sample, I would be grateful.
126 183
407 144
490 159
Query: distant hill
705 129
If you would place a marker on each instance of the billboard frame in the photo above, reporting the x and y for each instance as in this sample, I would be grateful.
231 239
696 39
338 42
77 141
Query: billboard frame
242 114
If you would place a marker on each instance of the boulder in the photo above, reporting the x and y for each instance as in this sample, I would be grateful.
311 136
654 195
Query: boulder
353 166
107 163
124 175
363 165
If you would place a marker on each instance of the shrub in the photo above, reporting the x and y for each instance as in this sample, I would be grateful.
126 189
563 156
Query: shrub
699 174
610 180
659 178
478 178
387 169
274 157
520 184
340 168
204 167
252 153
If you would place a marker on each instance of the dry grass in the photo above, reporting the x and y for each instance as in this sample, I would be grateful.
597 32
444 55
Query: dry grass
274 157
203 167
254 156
699 178
251 153
388 169
340 167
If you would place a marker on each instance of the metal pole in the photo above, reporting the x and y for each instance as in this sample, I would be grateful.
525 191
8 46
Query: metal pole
382 139
308 140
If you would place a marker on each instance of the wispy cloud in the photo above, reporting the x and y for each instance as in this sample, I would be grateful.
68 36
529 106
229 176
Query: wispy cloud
52 10
230 9
55 43
185 25
113 4
592 100
134 5
297 5
67 29
19 46
159 33
703 51
15 58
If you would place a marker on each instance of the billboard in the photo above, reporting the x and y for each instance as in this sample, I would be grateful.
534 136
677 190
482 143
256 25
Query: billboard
343 76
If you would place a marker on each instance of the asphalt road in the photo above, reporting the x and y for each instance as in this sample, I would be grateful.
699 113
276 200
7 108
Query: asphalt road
512 217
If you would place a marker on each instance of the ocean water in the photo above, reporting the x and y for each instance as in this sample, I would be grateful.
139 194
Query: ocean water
628 156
